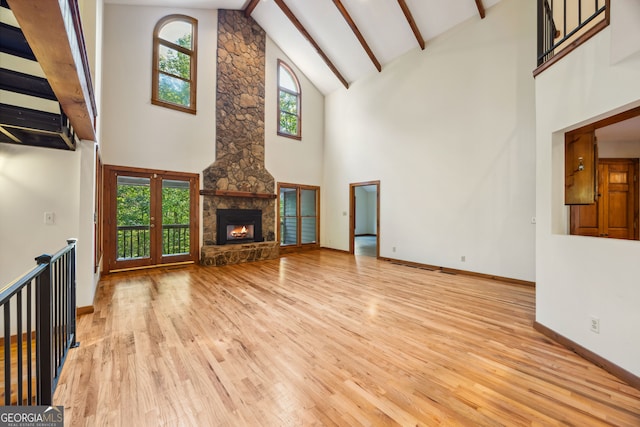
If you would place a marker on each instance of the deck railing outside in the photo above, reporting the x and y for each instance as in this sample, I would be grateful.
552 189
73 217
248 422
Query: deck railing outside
560 22
39 326
134 240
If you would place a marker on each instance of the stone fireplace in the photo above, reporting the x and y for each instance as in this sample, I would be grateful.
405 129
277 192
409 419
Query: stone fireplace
237 183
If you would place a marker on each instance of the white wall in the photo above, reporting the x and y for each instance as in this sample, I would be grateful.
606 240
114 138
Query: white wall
625 33
449 132
619 149
289 160
92 12
579 277
34 181
86 276
38 180
134 132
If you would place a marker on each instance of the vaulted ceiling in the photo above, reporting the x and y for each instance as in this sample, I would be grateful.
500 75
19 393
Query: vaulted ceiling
336 42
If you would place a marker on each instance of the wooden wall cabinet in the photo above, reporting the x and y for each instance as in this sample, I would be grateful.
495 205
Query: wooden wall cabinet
580 168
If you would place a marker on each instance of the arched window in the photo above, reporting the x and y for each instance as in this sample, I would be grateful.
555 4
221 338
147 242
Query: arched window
174 63
289 103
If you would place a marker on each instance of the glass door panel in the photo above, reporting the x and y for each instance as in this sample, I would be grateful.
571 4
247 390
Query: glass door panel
176 214
308 216
133 218
308 230
288 216
308 202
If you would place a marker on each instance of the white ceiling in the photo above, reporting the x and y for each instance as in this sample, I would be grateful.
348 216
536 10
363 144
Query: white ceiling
381 22
625 131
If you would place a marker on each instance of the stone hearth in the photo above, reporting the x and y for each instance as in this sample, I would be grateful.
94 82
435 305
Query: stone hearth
238 178
236 254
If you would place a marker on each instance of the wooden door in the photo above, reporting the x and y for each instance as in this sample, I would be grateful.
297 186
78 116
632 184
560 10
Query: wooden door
581 158
619 206
151 217
615 213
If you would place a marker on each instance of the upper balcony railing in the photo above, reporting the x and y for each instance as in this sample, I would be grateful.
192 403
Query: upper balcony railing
565 24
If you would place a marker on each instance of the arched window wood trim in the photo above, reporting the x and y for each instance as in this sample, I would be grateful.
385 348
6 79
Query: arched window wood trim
191 54
286 115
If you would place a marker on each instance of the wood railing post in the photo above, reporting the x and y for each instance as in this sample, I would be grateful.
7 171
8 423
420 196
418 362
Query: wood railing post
44 360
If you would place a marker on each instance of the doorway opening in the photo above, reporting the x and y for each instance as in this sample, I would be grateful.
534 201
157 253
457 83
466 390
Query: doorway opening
364 218
601 177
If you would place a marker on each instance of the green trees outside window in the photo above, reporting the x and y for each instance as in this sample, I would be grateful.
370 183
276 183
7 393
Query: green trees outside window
174 59
134 218
289 95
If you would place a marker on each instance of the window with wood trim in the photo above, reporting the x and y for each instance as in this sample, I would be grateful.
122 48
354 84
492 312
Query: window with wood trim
298 215
175 63
289 102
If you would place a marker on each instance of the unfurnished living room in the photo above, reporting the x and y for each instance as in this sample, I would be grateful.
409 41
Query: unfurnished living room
348 212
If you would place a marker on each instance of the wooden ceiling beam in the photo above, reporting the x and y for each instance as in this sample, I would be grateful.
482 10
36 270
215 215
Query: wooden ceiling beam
480 7
249 9
55 46
356 31
9 135
412 23
281 4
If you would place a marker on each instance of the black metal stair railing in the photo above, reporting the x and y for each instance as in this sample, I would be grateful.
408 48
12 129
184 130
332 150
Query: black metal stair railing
39 326
561 21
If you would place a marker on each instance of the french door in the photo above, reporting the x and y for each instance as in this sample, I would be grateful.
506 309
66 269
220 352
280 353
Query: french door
151 217
299 218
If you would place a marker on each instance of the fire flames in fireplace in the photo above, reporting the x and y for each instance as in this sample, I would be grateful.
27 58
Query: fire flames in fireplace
239 233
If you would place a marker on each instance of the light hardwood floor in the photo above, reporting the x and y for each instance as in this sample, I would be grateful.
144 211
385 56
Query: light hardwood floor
324 338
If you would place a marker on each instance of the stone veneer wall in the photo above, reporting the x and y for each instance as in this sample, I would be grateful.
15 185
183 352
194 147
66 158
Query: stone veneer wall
239 164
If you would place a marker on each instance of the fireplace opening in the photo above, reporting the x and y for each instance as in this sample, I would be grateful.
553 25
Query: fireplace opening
239 226
239 231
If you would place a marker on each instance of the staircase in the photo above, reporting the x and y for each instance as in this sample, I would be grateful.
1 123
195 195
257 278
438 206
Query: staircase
32 107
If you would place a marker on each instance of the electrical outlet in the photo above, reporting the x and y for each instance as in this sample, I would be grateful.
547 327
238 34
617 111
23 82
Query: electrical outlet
393 249
49 218
463 258
595 325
